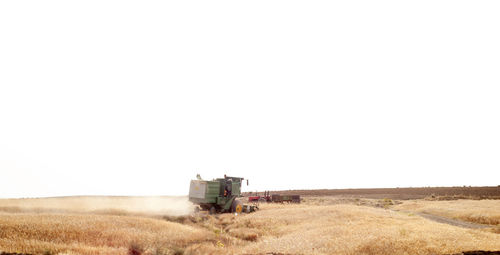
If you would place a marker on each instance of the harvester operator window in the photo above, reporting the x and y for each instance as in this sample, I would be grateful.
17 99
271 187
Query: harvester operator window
228 188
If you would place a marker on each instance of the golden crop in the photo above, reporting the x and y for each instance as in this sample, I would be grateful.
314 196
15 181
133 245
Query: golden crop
292 229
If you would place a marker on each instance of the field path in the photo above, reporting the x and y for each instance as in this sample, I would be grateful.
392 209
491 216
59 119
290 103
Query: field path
449 221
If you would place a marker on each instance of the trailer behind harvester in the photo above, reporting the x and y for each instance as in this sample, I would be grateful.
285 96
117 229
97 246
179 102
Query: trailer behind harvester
276 198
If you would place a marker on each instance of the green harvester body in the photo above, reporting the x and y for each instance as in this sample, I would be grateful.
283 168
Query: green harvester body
218 195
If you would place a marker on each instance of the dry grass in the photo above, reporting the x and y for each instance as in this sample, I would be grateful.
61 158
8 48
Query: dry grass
91 234
476 211
309 228
350 229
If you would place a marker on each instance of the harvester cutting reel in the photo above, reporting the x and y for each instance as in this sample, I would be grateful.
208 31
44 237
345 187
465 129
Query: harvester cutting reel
236 207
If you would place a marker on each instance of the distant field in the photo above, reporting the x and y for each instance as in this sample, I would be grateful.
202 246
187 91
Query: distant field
403 193
320 225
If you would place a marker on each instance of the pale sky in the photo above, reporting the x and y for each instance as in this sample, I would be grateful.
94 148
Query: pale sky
137 97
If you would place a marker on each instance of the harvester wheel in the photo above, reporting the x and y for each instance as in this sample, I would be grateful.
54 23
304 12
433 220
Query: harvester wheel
212 210
236 207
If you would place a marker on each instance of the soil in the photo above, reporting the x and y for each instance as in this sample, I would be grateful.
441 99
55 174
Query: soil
438 193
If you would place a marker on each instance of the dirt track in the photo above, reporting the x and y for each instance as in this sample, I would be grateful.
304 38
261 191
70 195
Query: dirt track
449 221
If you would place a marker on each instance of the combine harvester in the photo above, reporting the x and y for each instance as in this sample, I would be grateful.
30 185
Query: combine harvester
219 195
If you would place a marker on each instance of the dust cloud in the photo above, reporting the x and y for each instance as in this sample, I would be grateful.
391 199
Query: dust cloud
173 206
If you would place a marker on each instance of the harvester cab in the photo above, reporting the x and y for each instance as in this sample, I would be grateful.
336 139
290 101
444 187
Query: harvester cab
219 195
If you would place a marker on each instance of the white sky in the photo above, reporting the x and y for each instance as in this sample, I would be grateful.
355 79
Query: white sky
137 97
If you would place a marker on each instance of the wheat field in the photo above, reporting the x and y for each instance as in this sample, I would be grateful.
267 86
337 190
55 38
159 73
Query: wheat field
308 228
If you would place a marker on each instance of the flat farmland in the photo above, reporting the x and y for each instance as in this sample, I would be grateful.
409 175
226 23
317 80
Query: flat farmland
321 224
491 192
